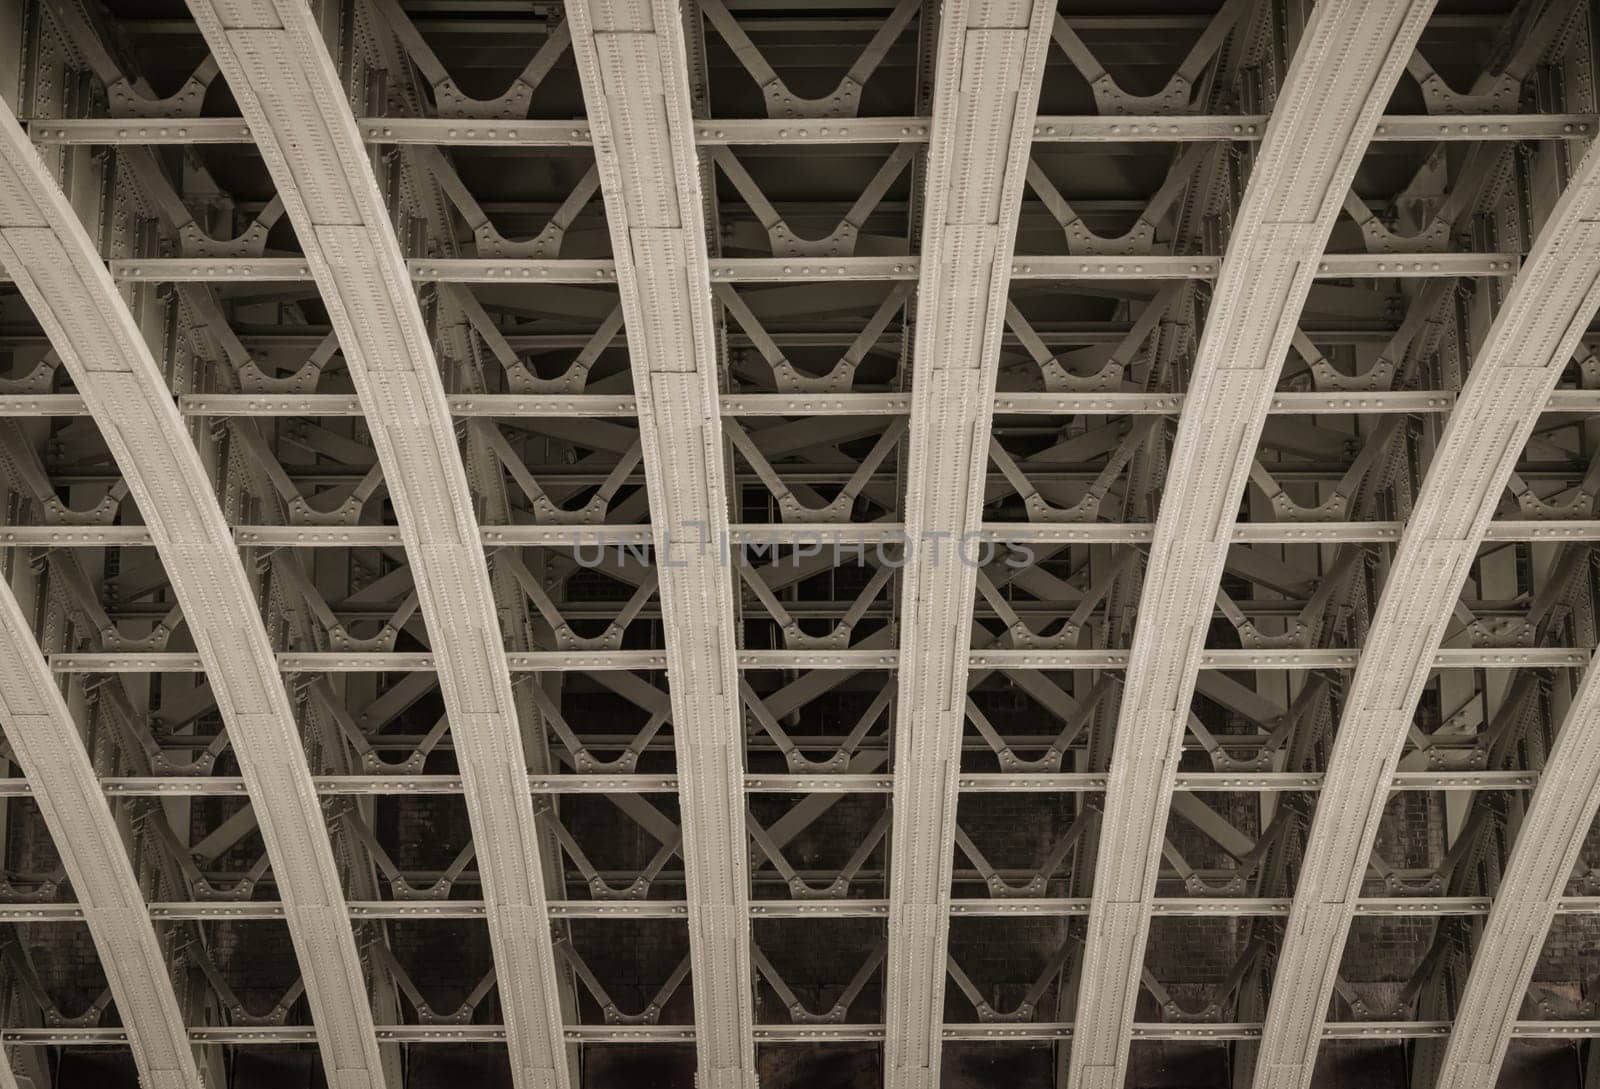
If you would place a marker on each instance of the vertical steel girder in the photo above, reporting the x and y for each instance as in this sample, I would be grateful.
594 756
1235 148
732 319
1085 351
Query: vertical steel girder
1547 848
278 67
50 750
55 265
990 64
1349 58
632 61
1533 337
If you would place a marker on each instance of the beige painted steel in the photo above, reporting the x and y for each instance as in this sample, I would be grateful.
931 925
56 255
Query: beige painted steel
989 67
49 748
1533 337
1548 845
1350 56
278 67
59 272
633 63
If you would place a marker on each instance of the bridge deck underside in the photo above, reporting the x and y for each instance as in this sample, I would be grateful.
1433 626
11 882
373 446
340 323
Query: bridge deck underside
729 550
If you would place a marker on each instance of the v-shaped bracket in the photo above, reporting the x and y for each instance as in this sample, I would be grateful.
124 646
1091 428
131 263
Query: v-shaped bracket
19 461
1029 1004
613 1014
786 377
1337 506
839 242
1137 239
174 213
125 96
1037 884
490 242
546 510
845 99
839 760
1498 90
1418 331
1056 376
799 887
449 100
791 508
520 377
1087 508
214 337
1179 93
341 506
799 1013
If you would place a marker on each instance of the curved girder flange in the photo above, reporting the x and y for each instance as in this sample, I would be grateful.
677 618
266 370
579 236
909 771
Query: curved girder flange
279 69
1549 843
990 65
1349 58
55 265
1535 333
632 61
46 740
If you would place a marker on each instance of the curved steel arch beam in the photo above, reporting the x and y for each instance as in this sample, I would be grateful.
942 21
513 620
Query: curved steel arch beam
1350 56
632 60
277 66
49 747
1547 848
1550 306
990 65
55 265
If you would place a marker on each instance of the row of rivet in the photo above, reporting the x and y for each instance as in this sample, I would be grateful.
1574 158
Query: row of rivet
1350 1030
376 131
1493 264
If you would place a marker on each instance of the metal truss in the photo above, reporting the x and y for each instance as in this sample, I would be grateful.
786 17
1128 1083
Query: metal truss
377 661
55 264
846 783
1556 295
990 62
511 406
535 133
633 60
1329 99
1528 900
45 737
972 1032
766 270
824 536
278 67
757 508
1169 907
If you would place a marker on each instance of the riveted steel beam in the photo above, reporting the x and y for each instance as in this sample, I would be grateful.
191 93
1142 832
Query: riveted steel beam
515 406
279 69
45 737
1349 58
1200 782
632 60
54 263
1532 338
535 133
774 270
565 661
1400 907
990 60
845 535
1549 842
972 1032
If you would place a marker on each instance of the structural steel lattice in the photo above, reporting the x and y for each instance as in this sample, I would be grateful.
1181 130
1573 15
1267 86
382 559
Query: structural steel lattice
912 544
